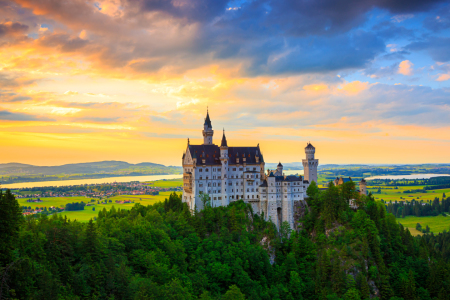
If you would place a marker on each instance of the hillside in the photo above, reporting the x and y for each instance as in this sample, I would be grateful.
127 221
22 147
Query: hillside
16 172
163 251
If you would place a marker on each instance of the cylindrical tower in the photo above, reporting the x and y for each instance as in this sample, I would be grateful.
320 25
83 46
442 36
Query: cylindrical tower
310 164
280 169
363 187
224 161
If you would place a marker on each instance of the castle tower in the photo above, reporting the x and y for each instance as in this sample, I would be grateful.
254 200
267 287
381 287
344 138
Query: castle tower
224 161
280 169
363 187
310 164
207 130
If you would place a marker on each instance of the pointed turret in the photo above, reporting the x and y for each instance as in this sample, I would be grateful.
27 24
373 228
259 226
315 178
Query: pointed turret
207 130
224 140
207 119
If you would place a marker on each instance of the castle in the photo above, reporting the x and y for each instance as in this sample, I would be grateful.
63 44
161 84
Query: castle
229 174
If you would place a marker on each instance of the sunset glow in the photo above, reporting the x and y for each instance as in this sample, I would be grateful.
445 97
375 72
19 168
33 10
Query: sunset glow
130 80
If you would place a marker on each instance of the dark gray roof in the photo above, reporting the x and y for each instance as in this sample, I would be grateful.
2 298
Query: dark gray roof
363 180
279 164
207 120
211 154
288 178
224 140
309 146
264 184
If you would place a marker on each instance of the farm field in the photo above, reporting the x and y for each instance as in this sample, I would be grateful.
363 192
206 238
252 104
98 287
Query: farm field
170 183
53 201
88 213
394 195
437 224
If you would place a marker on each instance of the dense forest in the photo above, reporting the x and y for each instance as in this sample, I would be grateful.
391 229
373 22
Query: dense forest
165 252
420 208
436 183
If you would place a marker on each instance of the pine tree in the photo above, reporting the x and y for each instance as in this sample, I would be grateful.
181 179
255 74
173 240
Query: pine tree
90 241
234 293
364 286
10 220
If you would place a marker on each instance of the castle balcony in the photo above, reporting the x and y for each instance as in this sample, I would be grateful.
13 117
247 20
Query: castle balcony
187 182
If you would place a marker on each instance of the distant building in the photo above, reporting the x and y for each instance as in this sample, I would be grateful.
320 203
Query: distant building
229 174
362 188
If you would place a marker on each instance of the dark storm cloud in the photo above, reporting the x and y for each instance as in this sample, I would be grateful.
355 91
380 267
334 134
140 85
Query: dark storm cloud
264 37
439 20
14 28
193 10
63 41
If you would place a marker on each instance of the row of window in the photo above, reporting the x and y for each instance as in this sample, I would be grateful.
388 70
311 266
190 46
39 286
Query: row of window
220 169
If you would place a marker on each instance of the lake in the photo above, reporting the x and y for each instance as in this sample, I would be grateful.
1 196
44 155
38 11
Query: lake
411 176
107 180
90 181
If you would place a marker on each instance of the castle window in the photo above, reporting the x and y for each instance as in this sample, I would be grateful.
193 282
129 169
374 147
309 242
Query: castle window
200 177
206 170
219 170
200 170
234 169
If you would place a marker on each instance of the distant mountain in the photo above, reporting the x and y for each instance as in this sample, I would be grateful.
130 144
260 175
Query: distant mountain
91 167
286 166
16 172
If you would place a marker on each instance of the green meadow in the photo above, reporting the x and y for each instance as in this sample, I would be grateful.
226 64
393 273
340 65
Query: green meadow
88 213
395 195
170 183
437 224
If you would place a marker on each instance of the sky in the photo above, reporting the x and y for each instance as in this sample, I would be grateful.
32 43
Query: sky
130 80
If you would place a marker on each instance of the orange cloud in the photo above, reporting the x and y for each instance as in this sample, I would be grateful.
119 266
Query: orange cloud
405 68
354 87
443 77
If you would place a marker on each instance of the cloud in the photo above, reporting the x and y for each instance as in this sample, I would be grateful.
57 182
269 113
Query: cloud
443 77
11 116
437 47
354 87
401 18
64 42
70 93
10 28
405 68
438 21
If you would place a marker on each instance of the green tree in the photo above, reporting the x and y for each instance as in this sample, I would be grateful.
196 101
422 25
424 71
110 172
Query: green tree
10 220
233 293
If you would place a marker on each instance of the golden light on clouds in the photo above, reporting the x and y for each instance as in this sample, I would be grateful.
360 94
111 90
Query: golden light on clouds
108 79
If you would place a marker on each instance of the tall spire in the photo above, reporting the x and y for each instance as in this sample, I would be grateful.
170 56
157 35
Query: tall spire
224 140
208 120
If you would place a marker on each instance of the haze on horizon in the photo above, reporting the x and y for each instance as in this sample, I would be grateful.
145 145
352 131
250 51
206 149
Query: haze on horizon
365 81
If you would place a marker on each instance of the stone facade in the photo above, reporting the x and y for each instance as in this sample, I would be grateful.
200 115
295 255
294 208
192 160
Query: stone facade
229 174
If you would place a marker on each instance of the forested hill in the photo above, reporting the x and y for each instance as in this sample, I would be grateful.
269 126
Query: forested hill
165 252
16 172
